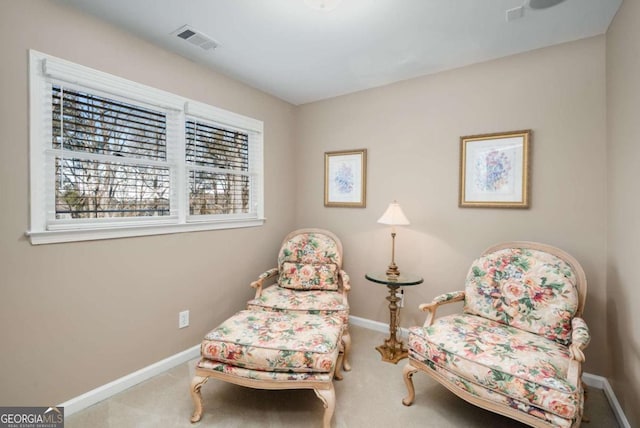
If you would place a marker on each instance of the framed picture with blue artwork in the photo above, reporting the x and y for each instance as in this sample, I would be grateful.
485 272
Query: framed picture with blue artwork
345 178
494 170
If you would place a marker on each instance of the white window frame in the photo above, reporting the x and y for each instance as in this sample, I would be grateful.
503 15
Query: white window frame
46 70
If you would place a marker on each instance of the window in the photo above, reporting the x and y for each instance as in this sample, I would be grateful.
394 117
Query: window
113 158
110 157
218 161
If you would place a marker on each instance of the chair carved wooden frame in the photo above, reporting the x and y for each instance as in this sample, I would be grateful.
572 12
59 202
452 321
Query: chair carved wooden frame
309 279
320 384
517 347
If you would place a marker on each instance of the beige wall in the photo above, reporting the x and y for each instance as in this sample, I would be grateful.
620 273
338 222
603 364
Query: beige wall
623 288
411 131
76 316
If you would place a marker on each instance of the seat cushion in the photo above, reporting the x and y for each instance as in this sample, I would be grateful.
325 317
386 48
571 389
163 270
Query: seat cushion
512 362
459 383
217 366
528 289
267 341
318 302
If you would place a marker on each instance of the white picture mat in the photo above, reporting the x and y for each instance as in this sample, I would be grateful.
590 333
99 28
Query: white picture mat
344 179
494 170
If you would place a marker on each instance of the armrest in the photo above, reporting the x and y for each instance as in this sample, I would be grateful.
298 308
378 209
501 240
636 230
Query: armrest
346 286
346 280
258 283
443 299
580 338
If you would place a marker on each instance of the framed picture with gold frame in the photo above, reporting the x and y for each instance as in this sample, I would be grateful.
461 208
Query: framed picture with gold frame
345 178
494 170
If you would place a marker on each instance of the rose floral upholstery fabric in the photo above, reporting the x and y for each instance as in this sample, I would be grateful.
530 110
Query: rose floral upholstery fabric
308 280
505 400
528 289
309 276
318 302
309 261
275 342
240 372
529 370
310 247
517 345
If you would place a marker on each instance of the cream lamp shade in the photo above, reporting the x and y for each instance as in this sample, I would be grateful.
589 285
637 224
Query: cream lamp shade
394 216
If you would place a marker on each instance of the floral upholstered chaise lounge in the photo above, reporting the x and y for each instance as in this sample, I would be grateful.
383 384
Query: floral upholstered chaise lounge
293 334
309 280
517 347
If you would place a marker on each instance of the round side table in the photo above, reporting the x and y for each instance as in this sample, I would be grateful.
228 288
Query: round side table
393 350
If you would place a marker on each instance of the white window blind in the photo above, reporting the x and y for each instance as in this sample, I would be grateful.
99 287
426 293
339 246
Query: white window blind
113 158
110 157
218 169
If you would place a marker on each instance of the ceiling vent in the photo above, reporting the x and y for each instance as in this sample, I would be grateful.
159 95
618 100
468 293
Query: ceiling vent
196 38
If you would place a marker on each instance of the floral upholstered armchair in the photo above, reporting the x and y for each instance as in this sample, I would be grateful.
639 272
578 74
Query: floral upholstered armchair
516 349
309 279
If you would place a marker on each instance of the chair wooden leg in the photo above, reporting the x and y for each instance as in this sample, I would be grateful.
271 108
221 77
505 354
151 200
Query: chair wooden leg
407 374
337 373
328 397
196 384
586 395
346 340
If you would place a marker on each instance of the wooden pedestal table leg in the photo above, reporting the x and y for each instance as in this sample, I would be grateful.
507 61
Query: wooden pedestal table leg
328 397
196 384
407 374
392 350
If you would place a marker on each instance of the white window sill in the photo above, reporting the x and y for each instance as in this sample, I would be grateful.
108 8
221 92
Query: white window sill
58 236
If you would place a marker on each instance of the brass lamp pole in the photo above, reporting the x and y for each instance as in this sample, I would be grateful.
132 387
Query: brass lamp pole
393 267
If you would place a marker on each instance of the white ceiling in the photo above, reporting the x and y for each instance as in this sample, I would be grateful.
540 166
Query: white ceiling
301 55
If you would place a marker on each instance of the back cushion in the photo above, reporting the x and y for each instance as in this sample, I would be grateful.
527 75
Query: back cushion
309 261
527 289
310 248
299 276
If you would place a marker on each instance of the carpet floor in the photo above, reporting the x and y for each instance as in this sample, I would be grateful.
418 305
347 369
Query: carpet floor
369 396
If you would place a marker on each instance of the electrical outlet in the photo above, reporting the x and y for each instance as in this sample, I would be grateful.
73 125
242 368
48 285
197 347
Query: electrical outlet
400 296
183 319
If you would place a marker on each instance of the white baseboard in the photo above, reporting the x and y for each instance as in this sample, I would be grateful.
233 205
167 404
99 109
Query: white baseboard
94 396
591 380
375 325
103 392
110 389
600 382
